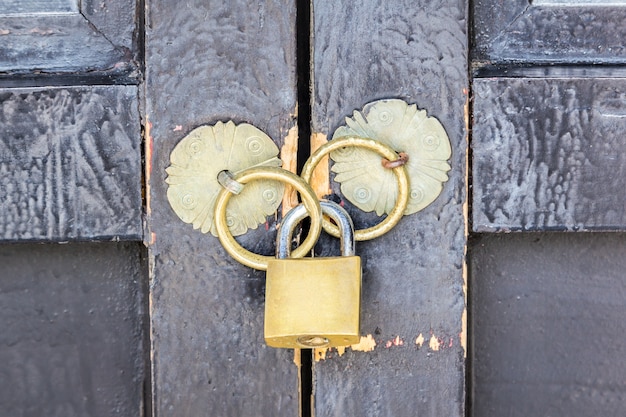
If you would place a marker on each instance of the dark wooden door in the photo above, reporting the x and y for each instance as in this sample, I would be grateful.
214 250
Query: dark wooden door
91 247
210 61
547 258
72 270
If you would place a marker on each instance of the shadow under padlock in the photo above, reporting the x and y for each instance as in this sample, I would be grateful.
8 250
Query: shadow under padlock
313 302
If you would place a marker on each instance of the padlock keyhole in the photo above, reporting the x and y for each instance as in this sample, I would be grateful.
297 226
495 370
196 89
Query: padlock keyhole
311 342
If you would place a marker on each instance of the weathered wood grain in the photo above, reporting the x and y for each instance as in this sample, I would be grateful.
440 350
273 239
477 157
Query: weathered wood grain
549 154
72 341
523 31
208 61
412 301
547 320
13 7
99 37
70 164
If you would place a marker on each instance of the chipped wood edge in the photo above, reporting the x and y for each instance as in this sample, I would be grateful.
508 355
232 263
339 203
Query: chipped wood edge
435 343
148 237
320 180
466 110
289 156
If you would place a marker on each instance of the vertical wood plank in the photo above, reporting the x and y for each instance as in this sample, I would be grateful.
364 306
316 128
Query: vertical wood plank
208 61
411 361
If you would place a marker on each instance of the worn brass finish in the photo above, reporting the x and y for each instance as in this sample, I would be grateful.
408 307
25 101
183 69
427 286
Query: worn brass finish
400 173
227 180
309 198
313 302
196 162
406 129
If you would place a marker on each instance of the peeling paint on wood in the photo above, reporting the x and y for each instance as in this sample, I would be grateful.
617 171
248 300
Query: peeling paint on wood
320 180
289 156
367 344
434 344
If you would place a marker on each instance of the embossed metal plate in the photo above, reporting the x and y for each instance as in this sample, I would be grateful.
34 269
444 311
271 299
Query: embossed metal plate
198 159
405 128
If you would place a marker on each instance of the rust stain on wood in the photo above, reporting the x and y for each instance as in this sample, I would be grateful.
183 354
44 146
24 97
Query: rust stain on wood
289 156
320 180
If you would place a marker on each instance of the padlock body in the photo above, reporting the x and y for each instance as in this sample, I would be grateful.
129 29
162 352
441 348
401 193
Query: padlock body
313 302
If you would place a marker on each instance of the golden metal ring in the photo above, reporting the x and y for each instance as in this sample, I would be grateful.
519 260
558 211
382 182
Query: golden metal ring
309 199
401 176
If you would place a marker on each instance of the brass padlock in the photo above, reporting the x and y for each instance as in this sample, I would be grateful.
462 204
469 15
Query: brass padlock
313 302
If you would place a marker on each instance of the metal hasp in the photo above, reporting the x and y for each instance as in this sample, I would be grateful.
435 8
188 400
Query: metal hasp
313 302
198 159
366 182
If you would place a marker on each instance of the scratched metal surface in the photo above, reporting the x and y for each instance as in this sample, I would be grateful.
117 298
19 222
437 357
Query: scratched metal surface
549 154
208 61
70 164
547 321
412 301
527 31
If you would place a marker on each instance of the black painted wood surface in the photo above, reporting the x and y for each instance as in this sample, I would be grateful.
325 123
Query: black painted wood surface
70 164
412 277
71 340
549 154
523 31
547 324
98 36
209 61
15 7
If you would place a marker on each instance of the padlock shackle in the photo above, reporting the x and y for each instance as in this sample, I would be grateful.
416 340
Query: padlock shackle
299 213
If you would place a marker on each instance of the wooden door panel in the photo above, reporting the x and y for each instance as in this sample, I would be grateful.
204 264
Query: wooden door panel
65 37
547 313
567 31
74 313
70 159
210 61
412 301
549 154
72 341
